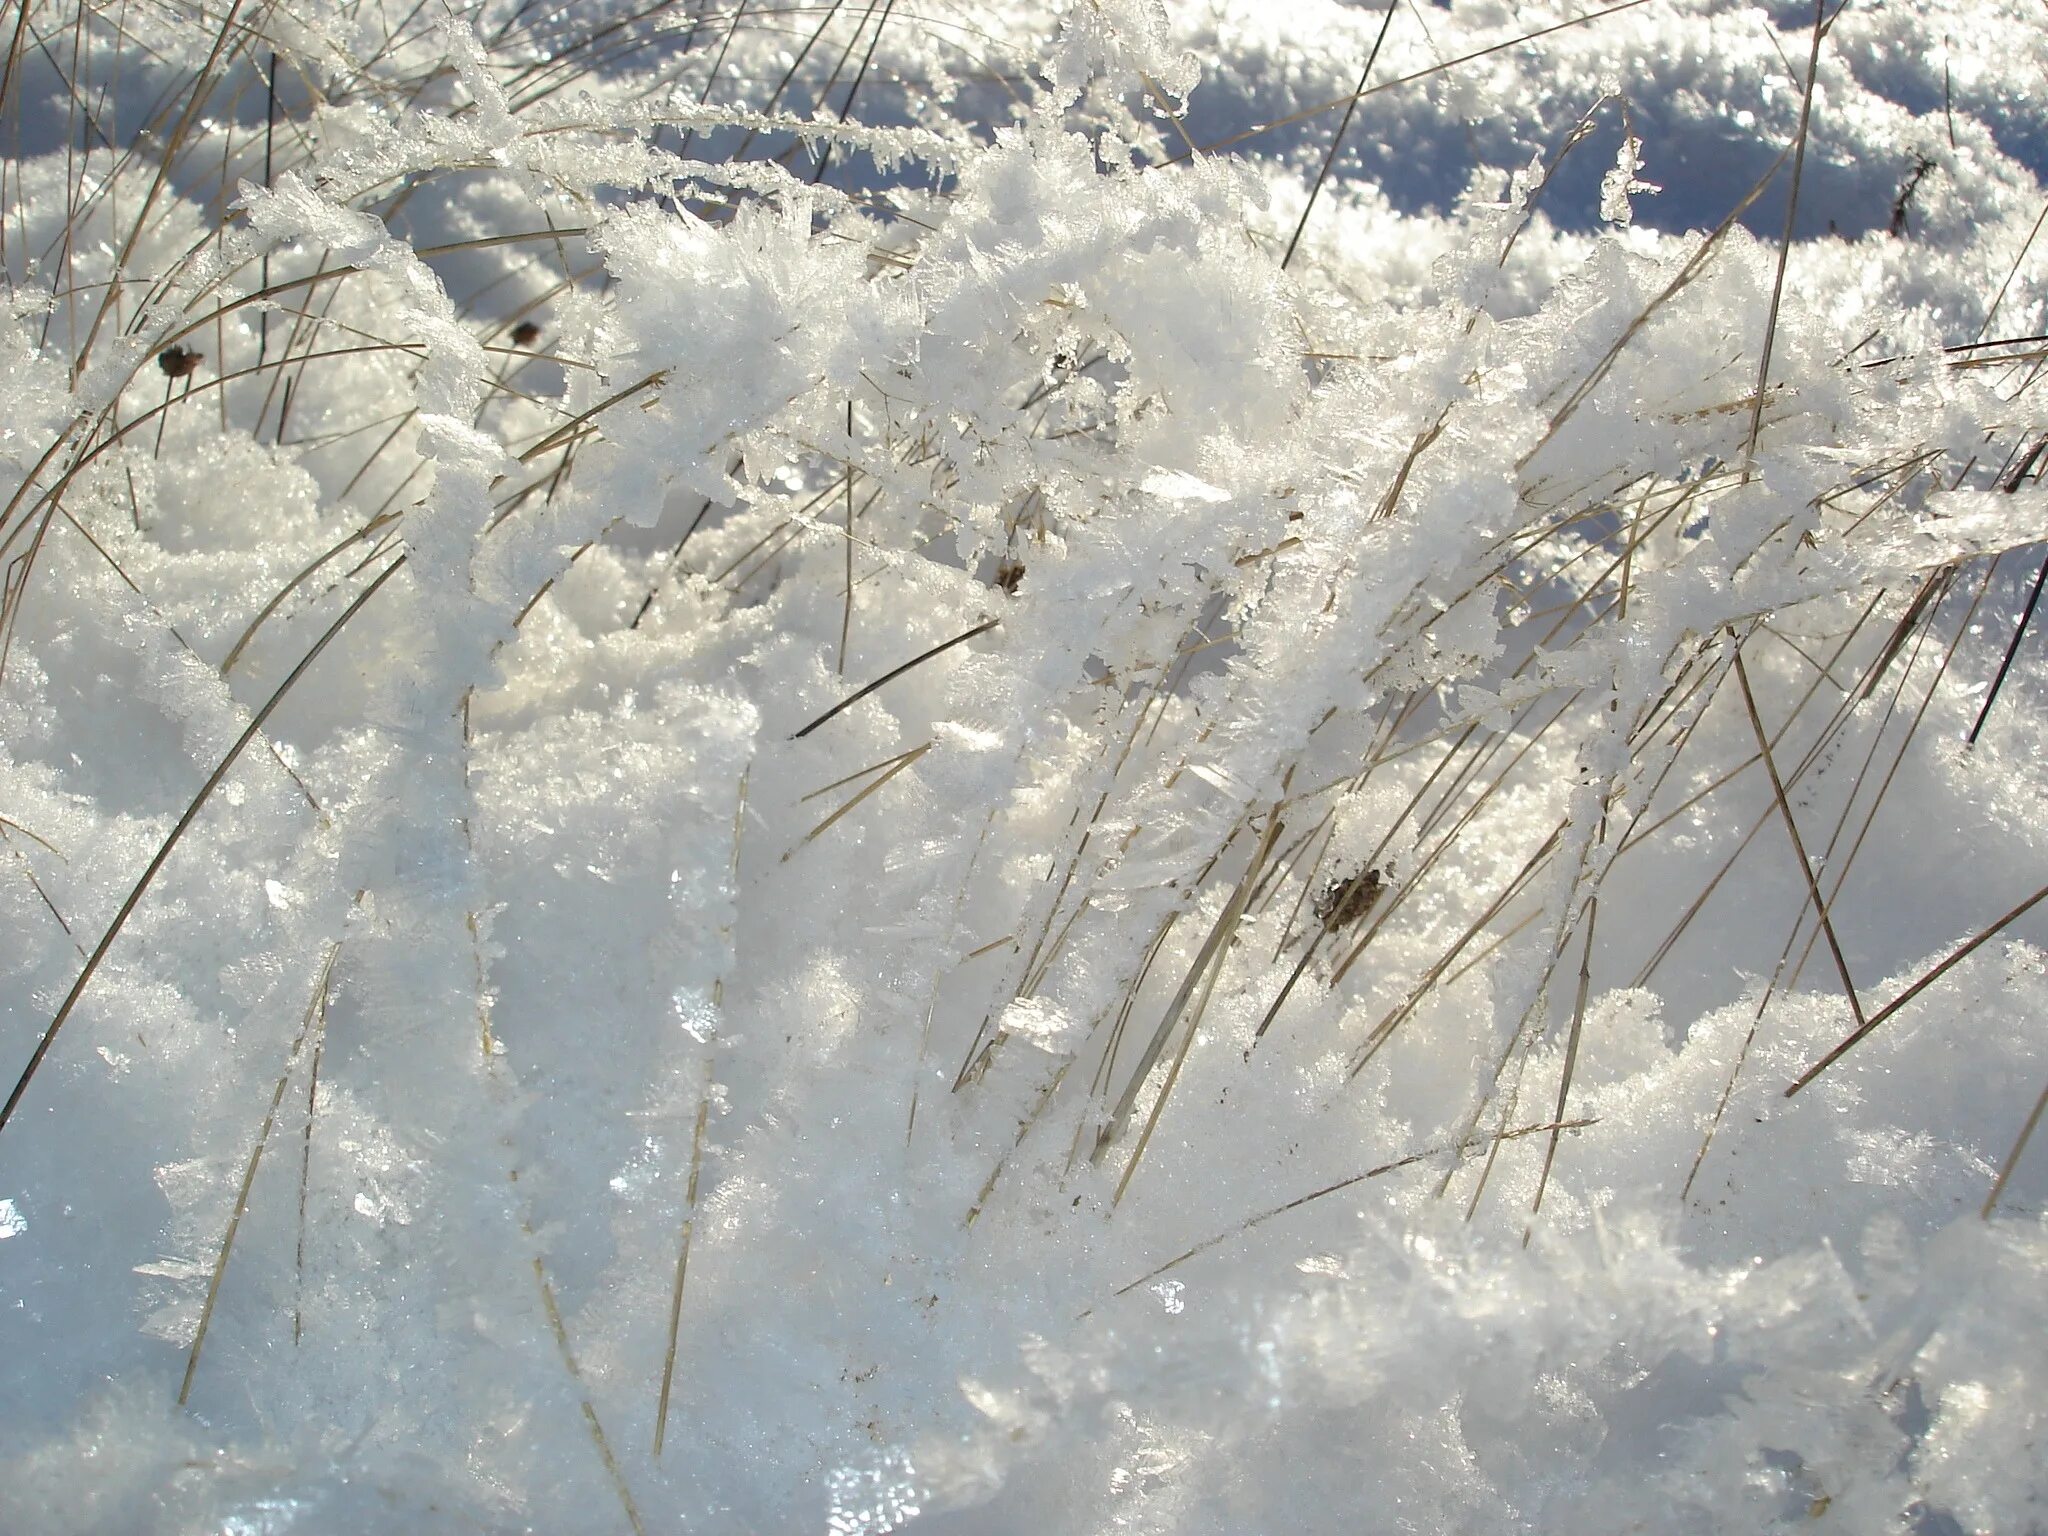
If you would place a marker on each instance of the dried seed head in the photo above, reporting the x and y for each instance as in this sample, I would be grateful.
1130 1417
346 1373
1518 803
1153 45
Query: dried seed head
1348 899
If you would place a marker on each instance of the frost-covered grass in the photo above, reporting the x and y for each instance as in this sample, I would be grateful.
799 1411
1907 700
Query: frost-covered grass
784 768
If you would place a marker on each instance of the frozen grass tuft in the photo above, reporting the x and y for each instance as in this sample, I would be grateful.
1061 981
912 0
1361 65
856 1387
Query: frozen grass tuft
1189 770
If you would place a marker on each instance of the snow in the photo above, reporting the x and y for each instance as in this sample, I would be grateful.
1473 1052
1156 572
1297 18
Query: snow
686 839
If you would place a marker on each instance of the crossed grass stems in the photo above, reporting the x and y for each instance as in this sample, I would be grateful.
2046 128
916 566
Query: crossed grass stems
1580 566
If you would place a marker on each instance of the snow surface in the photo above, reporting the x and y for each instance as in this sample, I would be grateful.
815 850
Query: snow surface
971 851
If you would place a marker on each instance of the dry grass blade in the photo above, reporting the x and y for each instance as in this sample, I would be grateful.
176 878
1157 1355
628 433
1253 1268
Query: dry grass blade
1203 974
1763 374
782 85
1694 265
598 1438
896 766
1166 111
1105 1070
2012 1158
170 843
185 645
675 1304
1962 953
858 773
194 102
316 1008
306 1168
1841 873
1287 987
1426 984
51 499
1450 840
1522 1042
293 285
573 426
1932 590
846 614
13 53
1423 441
675 559
1813 891
860 77
2012 272
732 27
1960 630
1421 74
86 422
15 586
8 824
1637 834
1339 1187
1571 1061
890 676
1037 1111
1337 138
305 574
1699 1158
931 1004
2019 633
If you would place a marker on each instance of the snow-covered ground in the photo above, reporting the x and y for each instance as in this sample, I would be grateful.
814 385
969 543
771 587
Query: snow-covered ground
822 768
